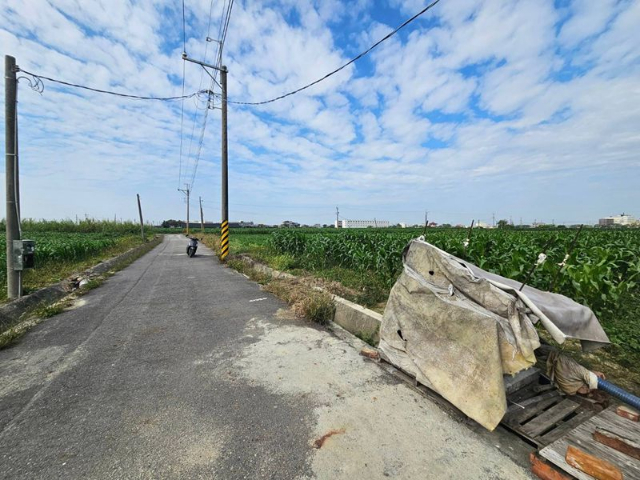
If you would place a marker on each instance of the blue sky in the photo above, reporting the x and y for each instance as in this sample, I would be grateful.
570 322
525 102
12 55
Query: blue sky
522 109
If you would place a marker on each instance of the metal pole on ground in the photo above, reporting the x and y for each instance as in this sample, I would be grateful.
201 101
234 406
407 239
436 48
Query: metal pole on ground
14 281
141 221
224 226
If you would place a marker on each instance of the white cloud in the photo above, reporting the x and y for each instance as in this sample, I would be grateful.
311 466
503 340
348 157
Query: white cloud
470 96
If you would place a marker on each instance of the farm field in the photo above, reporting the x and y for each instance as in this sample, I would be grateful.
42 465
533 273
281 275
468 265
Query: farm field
602 271
65 247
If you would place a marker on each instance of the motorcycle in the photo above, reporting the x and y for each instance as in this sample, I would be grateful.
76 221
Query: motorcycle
192 247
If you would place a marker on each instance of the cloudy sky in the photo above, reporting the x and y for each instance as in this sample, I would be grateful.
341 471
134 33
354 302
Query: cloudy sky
523 109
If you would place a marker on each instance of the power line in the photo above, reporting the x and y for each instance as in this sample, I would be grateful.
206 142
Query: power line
108 92
197 160
195 117
184 30
354 59
224 35
223 28
184 64
184 49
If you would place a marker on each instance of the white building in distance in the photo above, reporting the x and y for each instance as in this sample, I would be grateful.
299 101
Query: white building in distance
361 224
618 220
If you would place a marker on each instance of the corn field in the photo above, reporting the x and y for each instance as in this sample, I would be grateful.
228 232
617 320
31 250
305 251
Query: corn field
603 265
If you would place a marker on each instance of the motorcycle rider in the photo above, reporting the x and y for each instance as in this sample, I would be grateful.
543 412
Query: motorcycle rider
193 244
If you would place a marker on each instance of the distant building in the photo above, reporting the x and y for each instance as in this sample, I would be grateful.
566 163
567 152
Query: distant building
624 220
362 224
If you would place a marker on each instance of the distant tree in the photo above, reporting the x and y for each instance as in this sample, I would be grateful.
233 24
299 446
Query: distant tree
172 224
503 224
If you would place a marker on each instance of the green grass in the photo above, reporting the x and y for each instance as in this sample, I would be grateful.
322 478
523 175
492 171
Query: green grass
367 338
11 335
48 311
58 255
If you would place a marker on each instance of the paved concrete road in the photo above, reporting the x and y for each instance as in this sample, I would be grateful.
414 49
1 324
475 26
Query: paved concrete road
182 368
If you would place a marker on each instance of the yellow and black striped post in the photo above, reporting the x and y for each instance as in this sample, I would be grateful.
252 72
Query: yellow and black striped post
224 240
224 226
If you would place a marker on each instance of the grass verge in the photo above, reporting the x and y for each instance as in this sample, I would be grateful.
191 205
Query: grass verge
53 272
305 299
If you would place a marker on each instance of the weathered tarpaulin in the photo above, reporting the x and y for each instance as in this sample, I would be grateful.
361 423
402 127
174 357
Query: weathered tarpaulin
459 328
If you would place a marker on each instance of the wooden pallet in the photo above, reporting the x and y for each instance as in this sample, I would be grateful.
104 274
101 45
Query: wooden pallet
582 437
542 414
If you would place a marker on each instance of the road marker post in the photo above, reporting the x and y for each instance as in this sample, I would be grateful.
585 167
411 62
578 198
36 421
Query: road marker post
224 240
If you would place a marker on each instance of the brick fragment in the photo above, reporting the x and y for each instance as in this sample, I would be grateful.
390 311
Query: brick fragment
370 353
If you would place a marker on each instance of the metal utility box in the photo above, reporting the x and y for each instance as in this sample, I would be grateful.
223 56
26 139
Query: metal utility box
24 252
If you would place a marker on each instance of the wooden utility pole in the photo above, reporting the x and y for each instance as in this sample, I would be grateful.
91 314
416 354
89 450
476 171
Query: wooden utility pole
201 216
14 279
141 221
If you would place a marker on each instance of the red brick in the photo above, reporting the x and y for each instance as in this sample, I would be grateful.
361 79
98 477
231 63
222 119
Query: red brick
370 353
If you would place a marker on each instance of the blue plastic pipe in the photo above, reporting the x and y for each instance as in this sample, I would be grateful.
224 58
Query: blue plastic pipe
619 393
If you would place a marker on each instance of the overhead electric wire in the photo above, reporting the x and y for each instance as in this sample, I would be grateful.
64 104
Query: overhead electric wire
222 33
184 29
195 117
354 59
184 63
108 92
195 165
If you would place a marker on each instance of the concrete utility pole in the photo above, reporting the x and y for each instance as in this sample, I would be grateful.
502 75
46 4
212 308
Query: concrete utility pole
337 218
224 230
14 279
141 221
201 216
224 225
188 205
187 192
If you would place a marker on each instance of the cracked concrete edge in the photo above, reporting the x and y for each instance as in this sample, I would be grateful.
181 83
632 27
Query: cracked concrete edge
12 312
353 318
510 445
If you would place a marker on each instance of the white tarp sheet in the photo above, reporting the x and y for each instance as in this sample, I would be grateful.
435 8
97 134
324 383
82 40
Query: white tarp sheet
458 329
